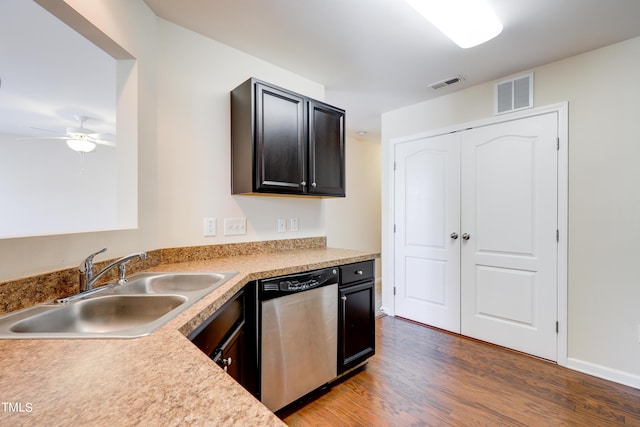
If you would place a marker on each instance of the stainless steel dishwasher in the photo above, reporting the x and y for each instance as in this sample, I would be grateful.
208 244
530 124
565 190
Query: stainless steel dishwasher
299 335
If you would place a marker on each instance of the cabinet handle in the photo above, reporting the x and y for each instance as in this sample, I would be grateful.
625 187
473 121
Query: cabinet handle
313 184
303 183
359 272
454 235
466 236
343 297
226 362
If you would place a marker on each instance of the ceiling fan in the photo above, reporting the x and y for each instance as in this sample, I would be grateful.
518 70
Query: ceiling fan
80 138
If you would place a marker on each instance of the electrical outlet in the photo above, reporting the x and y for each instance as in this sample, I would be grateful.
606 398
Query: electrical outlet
282 225
209 227
235 226
293 224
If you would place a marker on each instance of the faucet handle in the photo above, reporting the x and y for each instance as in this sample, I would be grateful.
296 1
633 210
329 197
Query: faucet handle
87 264
86 269
122 266
122 273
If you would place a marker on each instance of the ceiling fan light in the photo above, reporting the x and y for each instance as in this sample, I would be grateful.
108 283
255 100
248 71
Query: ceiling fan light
80 145
467 23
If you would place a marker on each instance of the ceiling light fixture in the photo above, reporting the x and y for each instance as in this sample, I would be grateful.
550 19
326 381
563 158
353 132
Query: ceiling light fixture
467 23
81 145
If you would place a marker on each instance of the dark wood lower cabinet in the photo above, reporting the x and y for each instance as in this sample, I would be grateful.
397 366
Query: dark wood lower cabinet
230 335
228 338
356 316
230 355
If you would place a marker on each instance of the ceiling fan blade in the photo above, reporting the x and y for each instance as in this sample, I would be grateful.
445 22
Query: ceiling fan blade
103 139
27 138
77 135
45 130
105 142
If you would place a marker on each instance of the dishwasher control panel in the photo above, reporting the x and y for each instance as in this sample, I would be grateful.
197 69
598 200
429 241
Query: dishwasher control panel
294 285
278 286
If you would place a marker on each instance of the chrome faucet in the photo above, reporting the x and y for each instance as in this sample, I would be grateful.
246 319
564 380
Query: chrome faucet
86 271
87 278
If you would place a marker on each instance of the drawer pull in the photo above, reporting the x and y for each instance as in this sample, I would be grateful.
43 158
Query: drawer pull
359 272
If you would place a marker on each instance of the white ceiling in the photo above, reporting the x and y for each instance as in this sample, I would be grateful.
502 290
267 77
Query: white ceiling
374 56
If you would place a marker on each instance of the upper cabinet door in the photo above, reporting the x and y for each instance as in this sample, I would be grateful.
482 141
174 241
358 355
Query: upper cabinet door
285 143
326 150
280 142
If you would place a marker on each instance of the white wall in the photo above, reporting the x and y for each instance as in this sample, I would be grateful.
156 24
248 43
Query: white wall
604 201
132 25
354 221
195 76
183 122
46 188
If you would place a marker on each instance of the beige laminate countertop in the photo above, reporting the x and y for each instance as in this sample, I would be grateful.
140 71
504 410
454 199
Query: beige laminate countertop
158 380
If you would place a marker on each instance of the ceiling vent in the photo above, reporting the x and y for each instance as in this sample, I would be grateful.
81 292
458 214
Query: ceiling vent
514 94
446 82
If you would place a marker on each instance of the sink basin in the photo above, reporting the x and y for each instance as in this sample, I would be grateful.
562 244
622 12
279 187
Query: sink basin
159 283
102 314
134 309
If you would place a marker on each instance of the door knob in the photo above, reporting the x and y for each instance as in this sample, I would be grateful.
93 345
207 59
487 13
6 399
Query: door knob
454 235
466 236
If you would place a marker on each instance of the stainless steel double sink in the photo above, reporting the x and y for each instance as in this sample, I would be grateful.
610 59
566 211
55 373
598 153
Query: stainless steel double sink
134 309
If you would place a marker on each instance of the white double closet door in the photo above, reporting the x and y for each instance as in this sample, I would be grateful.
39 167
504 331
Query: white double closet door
475 245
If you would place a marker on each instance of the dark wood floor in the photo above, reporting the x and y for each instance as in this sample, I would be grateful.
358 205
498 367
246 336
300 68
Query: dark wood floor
425 377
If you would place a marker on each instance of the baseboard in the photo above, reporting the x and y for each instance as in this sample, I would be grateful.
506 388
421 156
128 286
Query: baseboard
599 371
386 310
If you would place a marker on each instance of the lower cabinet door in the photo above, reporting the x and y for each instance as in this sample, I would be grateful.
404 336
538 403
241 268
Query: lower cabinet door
230 355
356 325
228 337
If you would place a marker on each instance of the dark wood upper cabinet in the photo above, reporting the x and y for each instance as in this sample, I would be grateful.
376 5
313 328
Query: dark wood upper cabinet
326 149
285 143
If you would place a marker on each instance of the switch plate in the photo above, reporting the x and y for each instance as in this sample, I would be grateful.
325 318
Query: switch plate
293 224
209 227
235 226
282 225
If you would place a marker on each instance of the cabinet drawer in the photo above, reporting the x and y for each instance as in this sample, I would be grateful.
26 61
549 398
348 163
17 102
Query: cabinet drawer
356 272
209 336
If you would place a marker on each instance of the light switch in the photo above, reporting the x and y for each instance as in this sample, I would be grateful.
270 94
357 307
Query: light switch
293 224
209 227
282 225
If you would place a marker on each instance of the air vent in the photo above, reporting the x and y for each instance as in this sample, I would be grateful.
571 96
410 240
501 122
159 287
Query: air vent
514 94
446 82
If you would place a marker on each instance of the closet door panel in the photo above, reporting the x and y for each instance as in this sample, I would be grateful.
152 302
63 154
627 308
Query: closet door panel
509 216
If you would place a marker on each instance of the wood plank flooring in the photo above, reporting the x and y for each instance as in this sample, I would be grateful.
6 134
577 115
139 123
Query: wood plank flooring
426 377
